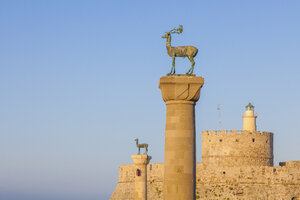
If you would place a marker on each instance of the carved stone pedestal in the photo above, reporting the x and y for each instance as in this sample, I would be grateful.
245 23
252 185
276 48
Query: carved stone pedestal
180 94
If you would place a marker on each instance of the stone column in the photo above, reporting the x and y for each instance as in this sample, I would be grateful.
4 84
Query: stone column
180 94
140 185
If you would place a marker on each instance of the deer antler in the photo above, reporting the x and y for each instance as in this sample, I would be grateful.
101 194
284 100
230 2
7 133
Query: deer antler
176 30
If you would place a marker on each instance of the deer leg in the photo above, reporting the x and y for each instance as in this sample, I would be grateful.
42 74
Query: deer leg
139 151
173 65
192 67
193 64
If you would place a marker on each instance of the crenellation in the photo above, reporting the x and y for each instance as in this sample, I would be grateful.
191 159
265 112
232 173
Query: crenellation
245 132
212 133
222 132
292 164
234 132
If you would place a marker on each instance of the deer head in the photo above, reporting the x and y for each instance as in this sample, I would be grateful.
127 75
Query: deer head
174 30
166 35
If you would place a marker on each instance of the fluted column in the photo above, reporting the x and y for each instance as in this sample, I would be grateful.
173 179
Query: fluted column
140 185
180 94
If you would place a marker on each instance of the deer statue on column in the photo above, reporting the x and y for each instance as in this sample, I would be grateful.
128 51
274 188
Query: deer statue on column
181 51
139 146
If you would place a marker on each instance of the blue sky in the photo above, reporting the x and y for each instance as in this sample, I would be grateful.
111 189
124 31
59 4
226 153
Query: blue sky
79 82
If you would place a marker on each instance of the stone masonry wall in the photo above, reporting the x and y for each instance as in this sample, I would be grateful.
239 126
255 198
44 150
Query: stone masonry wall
125 187
240 182
248 182
237 148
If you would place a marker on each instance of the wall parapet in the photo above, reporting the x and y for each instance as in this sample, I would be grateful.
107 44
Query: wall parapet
290 164
234 132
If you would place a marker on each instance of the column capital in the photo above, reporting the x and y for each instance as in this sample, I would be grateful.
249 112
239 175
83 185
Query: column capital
186 88
141 159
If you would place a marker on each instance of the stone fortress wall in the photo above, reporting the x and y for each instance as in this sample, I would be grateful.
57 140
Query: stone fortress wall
235 165
221 182
237 148
249 182
125 187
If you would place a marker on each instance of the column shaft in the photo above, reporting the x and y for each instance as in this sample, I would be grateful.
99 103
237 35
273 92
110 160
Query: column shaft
179 181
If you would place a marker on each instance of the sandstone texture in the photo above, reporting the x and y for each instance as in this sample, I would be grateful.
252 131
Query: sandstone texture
228 182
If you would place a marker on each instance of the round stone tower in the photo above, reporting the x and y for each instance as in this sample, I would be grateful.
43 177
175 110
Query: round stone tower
238 148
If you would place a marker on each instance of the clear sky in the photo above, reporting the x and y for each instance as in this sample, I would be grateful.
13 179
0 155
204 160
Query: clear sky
79 82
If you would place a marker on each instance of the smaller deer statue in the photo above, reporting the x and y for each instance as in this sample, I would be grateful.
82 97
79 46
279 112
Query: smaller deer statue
139 146
182 51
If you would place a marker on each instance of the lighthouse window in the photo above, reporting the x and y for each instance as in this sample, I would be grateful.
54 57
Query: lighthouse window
253 140
221 140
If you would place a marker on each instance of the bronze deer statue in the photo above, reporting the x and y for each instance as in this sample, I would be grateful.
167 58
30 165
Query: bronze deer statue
181 51
139 146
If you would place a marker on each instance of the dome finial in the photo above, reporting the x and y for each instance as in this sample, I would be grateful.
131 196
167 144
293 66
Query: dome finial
249 106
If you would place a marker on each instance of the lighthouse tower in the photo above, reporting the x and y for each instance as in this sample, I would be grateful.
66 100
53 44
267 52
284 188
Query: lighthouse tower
249 118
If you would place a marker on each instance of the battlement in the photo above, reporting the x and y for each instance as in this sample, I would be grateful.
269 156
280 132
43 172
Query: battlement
235 132
237 148
290 164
